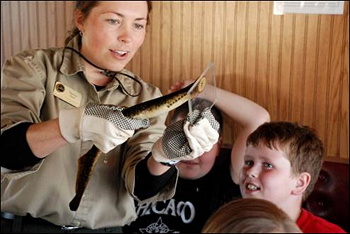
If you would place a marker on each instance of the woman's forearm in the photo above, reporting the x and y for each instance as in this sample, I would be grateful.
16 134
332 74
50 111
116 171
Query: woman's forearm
44 138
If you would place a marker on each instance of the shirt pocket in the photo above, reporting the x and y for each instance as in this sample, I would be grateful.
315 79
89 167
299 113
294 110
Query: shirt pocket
7 174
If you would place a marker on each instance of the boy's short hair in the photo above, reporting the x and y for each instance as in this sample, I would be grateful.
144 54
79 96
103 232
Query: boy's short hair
250 215
182 111
300 143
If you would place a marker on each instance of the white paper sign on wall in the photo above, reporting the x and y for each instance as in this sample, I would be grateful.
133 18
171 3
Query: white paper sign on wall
308 7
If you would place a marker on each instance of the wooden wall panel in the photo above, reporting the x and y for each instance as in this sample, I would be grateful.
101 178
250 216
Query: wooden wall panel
344 112
295 65
312 45
33 32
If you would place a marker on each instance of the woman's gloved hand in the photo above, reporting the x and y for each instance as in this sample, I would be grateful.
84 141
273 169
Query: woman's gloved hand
183 141
104 125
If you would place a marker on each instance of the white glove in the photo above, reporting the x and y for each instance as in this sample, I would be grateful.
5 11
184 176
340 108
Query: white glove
183 141
104 125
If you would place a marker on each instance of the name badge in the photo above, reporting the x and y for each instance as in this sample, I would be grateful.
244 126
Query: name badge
67 94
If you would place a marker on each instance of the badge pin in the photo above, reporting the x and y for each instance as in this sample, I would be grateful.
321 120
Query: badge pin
60 88
67 94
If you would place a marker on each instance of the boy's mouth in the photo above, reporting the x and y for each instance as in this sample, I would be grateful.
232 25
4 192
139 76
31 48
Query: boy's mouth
252 187
192 162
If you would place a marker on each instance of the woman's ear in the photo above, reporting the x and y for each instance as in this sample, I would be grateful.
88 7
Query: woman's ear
79 20
302 182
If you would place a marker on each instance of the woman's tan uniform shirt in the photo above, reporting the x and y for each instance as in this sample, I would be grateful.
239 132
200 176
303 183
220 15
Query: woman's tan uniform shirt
45 190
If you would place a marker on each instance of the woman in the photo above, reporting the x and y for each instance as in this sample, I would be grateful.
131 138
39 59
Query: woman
56 104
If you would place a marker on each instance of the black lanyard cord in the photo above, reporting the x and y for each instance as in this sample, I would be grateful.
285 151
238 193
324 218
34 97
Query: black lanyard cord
110 74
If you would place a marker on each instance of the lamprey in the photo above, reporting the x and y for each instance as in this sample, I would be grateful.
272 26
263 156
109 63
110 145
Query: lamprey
86 165
145 110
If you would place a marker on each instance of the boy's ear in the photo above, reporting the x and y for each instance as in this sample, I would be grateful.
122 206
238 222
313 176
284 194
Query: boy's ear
220 140
219 144
302 182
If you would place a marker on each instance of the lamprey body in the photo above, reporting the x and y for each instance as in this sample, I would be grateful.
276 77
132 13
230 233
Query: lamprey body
164 104
86 165
145 110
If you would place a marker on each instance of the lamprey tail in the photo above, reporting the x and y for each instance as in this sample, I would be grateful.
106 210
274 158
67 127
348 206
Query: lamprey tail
86 165
145 110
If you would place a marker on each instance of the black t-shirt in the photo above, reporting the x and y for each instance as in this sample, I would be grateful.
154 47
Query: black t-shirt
192 205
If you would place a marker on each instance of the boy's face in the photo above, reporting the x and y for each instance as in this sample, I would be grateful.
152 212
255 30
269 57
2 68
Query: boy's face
199 167
267 174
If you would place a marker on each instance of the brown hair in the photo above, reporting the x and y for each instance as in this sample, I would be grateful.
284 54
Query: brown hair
303 148
250 215
85 8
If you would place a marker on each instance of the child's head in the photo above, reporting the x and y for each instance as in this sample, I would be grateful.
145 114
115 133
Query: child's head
281 164
250 215
199 167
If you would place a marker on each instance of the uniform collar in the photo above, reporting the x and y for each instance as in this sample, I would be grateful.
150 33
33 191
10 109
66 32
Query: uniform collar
72 63
130 86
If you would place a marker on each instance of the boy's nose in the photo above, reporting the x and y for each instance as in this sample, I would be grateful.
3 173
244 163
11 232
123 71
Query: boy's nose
252 172
252 175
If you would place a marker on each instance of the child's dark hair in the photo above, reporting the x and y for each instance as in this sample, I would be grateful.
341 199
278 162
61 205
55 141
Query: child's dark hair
300 143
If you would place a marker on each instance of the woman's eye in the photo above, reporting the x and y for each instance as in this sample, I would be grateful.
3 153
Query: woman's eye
139 26
112 21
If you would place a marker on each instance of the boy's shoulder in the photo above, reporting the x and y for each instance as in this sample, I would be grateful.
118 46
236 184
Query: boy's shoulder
310 223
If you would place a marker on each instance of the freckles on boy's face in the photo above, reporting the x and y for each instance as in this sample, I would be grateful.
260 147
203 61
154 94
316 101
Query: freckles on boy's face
266 174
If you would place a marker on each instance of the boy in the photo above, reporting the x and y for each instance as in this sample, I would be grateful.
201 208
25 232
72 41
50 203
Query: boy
204 184
281 165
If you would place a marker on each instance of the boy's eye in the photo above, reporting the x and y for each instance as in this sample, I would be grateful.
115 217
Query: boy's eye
268 166
248 163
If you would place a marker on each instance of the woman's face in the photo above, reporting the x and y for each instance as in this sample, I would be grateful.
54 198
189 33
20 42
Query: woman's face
113 32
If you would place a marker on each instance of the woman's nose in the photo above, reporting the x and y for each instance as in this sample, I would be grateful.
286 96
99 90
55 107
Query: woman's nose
125 34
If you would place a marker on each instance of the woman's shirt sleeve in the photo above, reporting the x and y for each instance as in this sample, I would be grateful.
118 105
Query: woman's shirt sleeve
16 153
22 96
